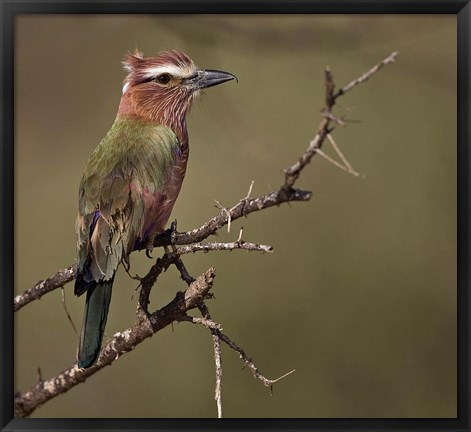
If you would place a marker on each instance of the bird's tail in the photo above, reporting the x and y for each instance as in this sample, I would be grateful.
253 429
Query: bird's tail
94 321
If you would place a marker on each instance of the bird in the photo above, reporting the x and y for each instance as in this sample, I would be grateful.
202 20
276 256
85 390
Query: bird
132 179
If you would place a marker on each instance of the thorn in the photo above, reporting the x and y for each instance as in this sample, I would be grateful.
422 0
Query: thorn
347 165
239 240
228 214
250 190
283 376
334 162
148 254
40 375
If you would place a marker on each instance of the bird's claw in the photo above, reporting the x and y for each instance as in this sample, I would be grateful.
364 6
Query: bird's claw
166 236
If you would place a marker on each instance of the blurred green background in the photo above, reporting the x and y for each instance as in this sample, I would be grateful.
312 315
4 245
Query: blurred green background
360 293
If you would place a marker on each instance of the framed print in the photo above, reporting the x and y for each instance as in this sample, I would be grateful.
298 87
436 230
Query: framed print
256 214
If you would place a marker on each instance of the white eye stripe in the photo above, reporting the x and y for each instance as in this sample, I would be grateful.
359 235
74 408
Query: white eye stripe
172 70
169 69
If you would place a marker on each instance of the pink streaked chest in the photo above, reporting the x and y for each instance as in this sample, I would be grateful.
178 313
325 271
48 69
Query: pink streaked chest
159 204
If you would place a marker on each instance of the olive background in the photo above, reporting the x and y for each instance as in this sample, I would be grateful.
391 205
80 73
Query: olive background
359 295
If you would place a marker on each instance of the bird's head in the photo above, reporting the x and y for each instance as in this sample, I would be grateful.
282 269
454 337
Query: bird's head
162 88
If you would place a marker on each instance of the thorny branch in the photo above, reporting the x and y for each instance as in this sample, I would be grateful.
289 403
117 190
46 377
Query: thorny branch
367 75
250 364
147 323
216 334
43 287
67 275
120 343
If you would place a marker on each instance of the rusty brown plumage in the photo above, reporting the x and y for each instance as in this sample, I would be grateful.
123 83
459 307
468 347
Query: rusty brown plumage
145 99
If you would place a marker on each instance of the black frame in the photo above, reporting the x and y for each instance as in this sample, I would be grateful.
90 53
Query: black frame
10 8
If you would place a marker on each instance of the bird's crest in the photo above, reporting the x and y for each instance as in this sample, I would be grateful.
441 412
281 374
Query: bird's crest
132 60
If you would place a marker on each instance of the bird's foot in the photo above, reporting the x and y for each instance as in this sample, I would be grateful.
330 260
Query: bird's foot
165 237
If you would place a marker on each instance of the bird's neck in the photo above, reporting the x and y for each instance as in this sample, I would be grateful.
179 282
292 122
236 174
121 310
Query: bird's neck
175 120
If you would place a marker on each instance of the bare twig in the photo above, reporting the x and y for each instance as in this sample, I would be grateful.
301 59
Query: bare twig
43 287
248 362
367 75
292 173
239 244
217 336
183 271
203 321
214 329
243 208
218 363
66 275
67 312
217 358
147 282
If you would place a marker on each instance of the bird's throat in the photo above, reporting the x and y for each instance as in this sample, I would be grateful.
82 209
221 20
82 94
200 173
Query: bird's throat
170 112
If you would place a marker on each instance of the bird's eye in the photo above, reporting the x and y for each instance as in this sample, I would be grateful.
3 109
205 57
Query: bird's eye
163 79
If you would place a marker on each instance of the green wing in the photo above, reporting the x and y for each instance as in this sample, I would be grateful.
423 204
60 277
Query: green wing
121 191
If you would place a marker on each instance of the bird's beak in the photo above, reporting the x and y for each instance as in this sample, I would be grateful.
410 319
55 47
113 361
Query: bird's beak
208 78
